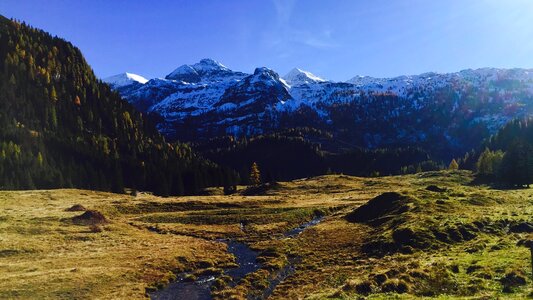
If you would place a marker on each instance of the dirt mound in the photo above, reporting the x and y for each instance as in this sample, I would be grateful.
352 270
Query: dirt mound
76 207
386 204
524 227
90 217
434 188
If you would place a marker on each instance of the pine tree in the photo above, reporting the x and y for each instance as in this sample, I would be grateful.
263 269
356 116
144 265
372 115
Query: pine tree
40 159
483 165
514 166
488 163
453 165
53 94
255 175
117 186
12 80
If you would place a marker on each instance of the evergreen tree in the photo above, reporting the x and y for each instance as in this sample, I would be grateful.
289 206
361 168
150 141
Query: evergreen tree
255 175
516 165
453 165
484 164
488 163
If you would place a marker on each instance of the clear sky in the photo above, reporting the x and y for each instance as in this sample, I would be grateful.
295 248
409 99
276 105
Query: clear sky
335 39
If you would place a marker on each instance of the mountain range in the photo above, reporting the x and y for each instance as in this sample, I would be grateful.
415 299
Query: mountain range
447 114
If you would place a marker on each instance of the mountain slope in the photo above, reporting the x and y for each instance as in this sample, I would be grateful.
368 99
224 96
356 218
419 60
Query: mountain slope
447 114
207 70
124 79
61 127
297 77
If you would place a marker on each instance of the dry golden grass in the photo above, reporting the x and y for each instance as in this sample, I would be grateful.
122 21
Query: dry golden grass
44 255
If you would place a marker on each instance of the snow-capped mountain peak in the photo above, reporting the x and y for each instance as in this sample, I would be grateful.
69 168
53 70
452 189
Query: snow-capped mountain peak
185 73
208 64
124 79
298 76
269 76
207 99
263 71
205 71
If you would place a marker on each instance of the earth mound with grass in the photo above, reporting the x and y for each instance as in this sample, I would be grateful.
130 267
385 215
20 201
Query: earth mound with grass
76 207
380 208
436 189
90 217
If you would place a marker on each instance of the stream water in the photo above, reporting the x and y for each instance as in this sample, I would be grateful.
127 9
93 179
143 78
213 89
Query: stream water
244 257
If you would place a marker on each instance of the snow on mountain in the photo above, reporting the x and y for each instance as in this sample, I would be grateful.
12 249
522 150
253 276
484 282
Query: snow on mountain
401 85
185 99
124 79
297 77
207 99
260 90
207 86
205 71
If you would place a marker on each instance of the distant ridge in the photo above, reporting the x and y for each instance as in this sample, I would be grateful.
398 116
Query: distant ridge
447 113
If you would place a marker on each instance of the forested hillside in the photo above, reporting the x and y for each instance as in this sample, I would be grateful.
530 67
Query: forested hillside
62 127
506 158
303 152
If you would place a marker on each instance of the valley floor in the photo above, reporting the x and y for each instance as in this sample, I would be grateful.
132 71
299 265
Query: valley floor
437 235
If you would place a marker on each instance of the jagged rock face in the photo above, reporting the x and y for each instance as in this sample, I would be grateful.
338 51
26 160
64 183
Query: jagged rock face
451 112
253 94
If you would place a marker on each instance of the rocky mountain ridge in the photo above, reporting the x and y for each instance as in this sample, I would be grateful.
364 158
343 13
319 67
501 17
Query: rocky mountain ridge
454 110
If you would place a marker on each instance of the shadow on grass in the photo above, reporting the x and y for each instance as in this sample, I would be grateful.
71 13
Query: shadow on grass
494 184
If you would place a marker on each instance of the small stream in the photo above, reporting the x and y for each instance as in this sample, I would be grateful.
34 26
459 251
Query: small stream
245 257
180 289
296 231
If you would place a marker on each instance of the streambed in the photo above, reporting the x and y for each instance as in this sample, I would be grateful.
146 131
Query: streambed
245 257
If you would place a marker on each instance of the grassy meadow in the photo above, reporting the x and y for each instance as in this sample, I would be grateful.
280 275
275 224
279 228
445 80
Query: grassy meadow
433 234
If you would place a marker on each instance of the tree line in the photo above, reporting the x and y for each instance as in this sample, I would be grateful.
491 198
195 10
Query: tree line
507 156
293 153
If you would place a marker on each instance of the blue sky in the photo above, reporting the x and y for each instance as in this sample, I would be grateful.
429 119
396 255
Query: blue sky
335 39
